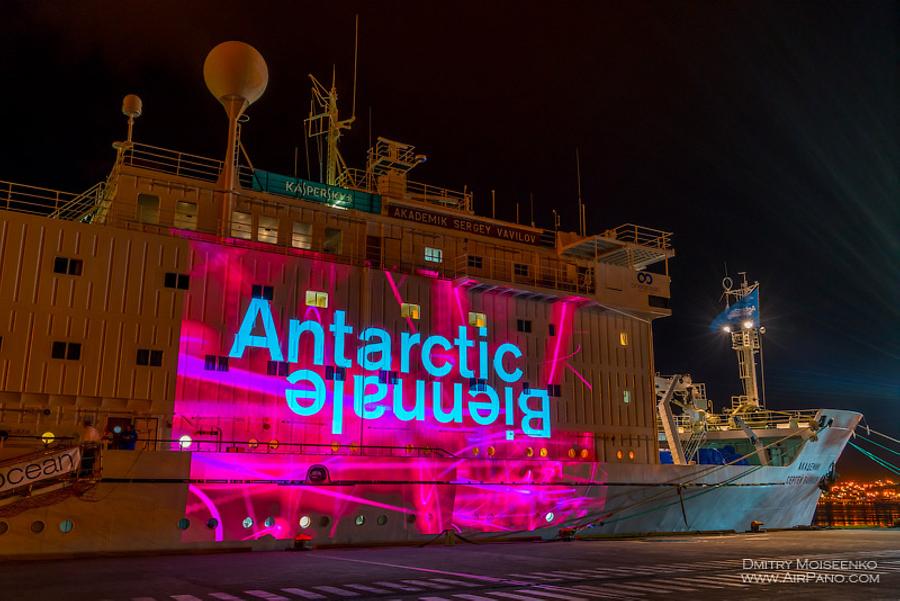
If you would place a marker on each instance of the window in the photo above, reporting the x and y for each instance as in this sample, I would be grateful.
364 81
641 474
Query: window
434 255
318 299
215 363
241 225
181 281
478 320
1 343
335 373
410 310
660 302
626 396
186 215
520 269
523 325
387 377
551 329
263 292
554 390
333 238
526 387
478 384
66 266
623 338
302 235
148 208
268 230
69 351
277 368
153 358
475 261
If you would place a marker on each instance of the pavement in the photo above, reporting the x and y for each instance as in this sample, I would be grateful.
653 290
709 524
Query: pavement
820 565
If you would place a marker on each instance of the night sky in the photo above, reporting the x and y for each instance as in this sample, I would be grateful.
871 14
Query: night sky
764 135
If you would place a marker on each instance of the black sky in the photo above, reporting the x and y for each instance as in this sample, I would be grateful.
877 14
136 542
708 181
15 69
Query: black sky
763 135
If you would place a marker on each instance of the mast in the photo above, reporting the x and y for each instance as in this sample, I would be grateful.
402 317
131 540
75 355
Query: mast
745 341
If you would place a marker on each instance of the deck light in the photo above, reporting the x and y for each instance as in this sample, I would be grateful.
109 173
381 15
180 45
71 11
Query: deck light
185 441
747 324
727 329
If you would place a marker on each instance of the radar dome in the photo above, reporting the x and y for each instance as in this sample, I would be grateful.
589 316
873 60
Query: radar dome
235 70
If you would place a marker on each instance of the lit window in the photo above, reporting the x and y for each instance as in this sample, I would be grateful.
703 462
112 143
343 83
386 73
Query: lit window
434 255
148 208
269 522
305 521
631 455
186 215
619 454
332 242
302 235
267 231
626 396
549 517
520 269
623 338
318 299
410 310
247 523
360 520
241 225
478 320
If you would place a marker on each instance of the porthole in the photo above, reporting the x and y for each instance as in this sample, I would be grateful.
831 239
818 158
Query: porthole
382 520
37 526
273 444
305 521
543 452
476 451
619 454
335 447
572 453
529 452
549 517
48 437
360 520
252 443
248 522
212 523
631 455
491 451
4 528
184 524
324 521
411 518
185 441
269 522
584 453
66 526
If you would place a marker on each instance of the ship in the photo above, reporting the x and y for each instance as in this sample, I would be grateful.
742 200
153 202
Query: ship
200 354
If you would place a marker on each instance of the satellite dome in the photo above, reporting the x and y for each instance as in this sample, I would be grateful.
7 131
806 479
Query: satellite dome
235 70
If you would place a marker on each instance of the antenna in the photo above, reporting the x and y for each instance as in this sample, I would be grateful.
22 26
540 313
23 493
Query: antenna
531 203
581 224
355 56
493 204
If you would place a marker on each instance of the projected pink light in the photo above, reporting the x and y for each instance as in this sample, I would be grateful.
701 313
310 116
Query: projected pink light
373 466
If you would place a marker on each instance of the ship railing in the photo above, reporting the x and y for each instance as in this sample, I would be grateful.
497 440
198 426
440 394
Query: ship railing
214 445
640 235
81 207
182 164
36 200
403 189
563 277
762 419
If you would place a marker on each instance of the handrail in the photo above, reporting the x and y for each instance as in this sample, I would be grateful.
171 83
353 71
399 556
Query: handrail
641 235
294 448
760 419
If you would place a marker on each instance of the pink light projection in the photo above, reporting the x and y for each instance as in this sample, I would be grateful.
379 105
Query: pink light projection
251 453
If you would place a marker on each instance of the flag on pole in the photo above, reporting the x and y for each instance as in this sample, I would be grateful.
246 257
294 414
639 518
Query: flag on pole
746 309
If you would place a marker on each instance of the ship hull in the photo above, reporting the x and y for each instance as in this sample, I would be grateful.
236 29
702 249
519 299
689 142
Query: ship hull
171 501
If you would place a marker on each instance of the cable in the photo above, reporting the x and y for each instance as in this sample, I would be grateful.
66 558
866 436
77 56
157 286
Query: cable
885 464
884 435
869 440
